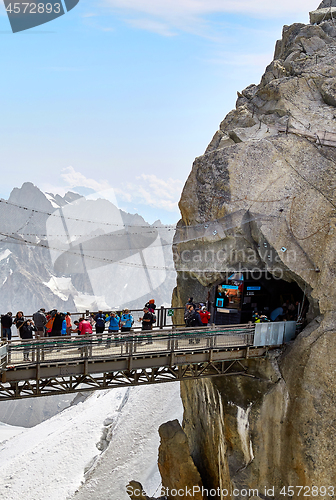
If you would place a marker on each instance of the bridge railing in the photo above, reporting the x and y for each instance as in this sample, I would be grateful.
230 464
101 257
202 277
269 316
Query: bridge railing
72 349
3 356
115 345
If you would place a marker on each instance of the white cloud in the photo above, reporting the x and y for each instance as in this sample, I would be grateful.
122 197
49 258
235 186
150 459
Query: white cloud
146 189
176 8
168 17
152 191
72 178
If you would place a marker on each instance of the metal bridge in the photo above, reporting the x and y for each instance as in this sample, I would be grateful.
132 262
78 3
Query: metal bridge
75 364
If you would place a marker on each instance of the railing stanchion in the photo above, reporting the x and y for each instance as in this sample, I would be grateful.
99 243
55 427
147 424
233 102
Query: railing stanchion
33 346
38 368
9 352
161 317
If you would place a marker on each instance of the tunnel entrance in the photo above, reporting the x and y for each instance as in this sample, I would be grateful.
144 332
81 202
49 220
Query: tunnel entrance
237 299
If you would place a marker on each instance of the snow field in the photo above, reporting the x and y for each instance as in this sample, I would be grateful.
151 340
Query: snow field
133 450
48 461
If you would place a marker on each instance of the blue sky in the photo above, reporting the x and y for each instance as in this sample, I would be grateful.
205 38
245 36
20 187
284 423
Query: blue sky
124 94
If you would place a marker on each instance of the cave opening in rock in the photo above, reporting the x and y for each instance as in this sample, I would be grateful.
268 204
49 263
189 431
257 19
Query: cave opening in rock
235 300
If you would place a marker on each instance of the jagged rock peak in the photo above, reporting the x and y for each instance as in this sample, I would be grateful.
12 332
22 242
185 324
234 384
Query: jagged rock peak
327 3
29 195
325 11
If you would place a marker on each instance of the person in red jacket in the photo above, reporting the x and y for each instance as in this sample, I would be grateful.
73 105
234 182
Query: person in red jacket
205 316
84 327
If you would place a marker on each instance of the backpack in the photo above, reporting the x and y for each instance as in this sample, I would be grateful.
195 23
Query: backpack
100 321
153 318
50 323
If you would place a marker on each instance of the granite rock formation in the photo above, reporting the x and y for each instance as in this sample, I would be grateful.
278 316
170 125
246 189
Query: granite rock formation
263 197
176 466
267 179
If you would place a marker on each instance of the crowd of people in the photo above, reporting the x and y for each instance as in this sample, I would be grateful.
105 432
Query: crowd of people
289 311
195 315
55 323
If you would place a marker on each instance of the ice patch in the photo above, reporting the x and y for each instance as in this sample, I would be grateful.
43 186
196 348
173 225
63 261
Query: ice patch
243 429
61 287
85 302
5 254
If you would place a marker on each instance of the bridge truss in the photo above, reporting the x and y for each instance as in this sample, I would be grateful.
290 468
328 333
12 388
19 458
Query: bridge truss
96 363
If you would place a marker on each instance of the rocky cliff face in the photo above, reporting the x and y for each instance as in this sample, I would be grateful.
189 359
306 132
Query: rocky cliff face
263 197
266 177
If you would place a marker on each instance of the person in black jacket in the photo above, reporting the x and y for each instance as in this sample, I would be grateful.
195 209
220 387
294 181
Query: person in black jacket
25 329
6 323
40 321
193 318
147 323
100 325
56 330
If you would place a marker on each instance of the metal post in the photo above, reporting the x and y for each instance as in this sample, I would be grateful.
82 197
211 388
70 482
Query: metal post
161 317
9 352
38 369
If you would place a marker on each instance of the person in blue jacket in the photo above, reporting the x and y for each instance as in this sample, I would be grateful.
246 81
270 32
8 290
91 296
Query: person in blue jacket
126 321
114 320
64 326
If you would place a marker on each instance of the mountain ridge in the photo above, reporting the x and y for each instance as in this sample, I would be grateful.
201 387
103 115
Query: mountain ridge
28 278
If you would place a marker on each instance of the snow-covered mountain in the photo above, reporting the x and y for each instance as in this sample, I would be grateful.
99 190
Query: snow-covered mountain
74 253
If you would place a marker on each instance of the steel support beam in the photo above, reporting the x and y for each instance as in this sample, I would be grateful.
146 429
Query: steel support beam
45 380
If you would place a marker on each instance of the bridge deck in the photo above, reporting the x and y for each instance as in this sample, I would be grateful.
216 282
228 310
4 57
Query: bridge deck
72 364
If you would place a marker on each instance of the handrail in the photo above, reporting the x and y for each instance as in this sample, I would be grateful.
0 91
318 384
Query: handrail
66 349
160 312
123 335
111 345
